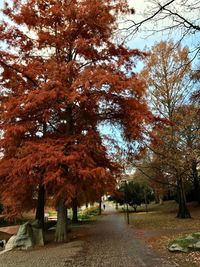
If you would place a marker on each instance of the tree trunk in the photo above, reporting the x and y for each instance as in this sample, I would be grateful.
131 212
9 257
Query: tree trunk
75 210
161 200
40 205
41 193
100 202
156 196
183 211
61 226
196 181
145 199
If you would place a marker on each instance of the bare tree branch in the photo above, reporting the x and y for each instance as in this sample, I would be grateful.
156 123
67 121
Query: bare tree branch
139 24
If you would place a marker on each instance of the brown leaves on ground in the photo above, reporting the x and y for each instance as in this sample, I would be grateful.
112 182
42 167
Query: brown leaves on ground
159 226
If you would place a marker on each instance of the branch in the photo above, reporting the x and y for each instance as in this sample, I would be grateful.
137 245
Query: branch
54 128
17 70
153 179
195 27
138 24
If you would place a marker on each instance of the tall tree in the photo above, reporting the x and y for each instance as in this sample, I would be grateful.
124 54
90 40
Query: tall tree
187 120
167 72
61 66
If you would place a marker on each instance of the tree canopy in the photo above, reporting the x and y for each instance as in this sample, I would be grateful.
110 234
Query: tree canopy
62 74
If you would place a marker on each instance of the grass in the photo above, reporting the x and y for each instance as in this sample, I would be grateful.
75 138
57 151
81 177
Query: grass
83 215
88 214
163 217
52 213
159 227
186 240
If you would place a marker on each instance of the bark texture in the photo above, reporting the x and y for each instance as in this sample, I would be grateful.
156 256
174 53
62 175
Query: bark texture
61 226
183 211
75 210
40 205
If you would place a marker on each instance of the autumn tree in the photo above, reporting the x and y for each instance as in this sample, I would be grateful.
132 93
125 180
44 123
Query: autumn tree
62 75
187 118
148 171
167 72
196 78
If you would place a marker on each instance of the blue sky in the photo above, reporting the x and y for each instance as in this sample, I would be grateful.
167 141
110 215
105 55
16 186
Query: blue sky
142 39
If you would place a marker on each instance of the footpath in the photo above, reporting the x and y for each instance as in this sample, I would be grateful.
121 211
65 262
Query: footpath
109 242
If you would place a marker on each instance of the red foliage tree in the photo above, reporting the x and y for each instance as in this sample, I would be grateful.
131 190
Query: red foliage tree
62 74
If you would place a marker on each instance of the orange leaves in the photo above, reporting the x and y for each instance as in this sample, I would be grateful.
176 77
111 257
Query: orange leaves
64 81
136 116
55 9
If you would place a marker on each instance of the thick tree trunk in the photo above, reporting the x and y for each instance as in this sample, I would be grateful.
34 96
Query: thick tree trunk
100 202
75 210
183 211
40 205
61 226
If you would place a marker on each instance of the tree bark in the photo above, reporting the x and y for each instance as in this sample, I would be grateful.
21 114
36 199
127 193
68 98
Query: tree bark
196 181
183 211
41 192
40 205
75 210
61 226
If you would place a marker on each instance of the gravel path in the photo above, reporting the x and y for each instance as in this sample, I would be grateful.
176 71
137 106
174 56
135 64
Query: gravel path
109 243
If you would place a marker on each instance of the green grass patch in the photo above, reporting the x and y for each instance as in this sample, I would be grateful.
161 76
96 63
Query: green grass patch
186 240
52 213
184 243
88 214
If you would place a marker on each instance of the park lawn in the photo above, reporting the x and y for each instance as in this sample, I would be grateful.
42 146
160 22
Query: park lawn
159 226
164 217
